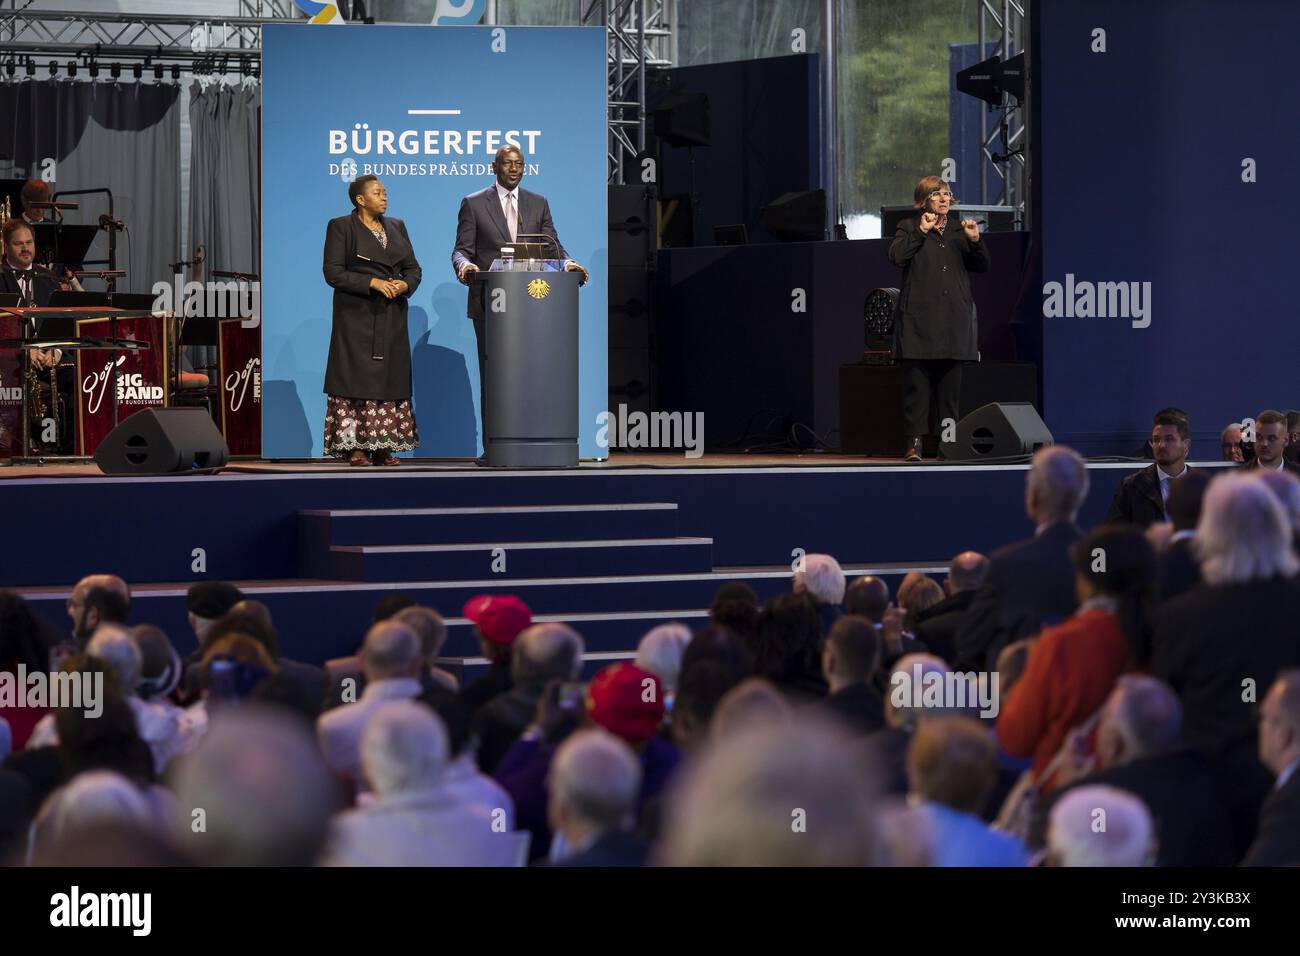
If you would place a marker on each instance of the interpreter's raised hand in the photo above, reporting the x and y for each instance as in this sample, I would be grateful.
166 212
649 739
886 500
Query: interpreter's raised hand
928 221
972 229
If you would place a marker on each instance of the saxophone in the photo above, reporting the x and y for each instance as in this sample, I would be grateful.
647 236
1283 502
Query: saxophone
6 210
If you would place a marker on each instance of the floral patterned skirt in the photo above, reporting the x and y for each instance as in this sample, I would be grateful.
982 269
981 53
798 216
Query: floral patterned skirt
369 425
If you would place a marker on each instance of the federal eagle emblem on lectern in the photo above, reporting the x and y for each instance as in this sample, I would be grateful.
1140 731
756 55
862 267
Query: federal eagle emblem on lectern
539 288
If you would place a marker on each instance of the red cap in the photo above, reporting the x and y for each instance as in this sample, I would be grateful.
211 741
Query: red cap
627 701
500 617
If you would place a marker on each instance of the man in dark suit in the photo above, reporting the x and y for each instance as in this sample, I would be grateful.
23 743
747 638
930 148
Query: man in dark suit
1141 497
21 275
1277 842
490 219
1271 441
1178 569
850 656
1030 583
937 626
1138 751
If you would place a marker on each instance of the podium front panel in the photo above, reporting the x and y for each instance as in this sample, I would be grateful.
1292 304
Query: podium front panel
141 380
531 388
239 372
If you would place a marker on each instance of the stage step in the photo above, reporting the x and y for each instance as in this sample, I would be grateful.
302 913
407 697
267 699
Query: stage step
319 619
324 528
510 560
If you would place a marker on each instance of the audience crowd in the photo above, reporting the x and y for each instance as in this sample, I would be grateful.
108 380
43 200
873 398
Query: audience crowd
1144 672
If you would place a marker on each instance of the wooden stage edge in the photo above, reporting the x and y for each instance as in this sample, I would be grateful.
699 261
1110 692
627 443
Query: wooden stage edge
616 462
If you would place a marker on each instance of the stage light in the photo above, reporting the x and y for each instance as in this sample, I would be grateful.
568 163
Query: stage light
176 72
115 70
136 70
878 327
10 68
157 71
72 69
31 67
94 70
54 68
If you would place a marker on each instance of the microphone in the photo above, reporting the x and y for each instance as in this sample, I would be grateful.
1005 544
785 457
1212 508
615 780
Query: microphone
520 237
109 223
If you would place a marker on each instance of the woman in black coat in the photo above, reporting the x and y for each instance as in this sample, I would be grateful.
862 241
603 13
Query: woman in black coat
371 266
935 328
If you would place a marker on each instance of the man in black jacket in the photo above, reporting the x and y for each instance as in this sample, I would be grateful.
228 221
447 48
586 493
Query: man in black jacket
592 792
1277 842
1030 583
1271 441
1178 569
1138 751
850 656
1141 498
937 626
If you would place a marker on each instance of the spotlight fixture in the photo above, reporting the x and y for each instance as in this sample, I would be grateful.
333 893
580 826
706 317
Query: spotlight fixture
72 69
158 71
10 68
54 68
31 67
94 70
176 72
115 70
878 325
136 70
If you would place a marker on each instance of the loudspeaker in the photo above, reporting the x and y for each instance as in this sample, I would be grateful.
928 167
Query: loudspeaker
797 217
682 119
162 441
998 430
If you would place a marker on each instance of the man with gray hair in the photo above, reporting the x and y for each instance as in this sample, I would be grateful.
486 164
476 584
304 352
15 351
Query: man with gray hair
391 660
1029 584
159 727
1138 751
1277 841
821 578
937 626
259 786
789 794
542 653
413 819
593 789
1100 826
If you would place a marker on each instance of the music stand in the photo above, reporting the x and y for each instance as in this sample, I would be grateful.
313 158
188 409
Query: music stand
66 245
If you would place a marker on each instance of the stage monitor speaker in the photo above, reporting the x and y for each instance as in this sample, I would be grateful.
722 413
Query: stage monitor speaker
797 217
682 119
162 441
998 431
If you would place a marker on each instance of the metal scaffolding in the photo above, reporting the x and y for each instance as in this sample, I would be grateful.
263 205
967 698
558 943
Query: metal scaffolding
39 34
641 36
1010 130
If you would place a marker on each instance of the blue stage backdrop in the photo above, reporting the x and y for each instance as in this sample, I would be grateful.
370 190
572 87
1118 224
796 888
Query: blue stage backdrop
1167 146
461 92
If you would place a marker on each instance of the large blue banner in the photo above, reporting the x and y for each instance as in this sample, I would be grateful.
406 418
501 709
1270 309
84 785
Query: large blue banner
425 109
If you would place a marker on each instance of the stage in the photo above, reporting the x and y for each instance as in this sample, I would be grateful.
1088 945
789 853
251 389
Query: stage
613 548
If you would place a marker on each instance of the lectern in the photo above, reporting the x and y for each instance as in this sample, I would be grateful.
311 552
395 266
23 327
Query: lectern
531 372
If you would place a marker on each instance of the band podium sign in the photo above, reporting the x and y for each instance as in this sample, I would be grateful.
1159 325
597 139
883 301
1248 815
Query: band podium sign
141 376
11 388
239 371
